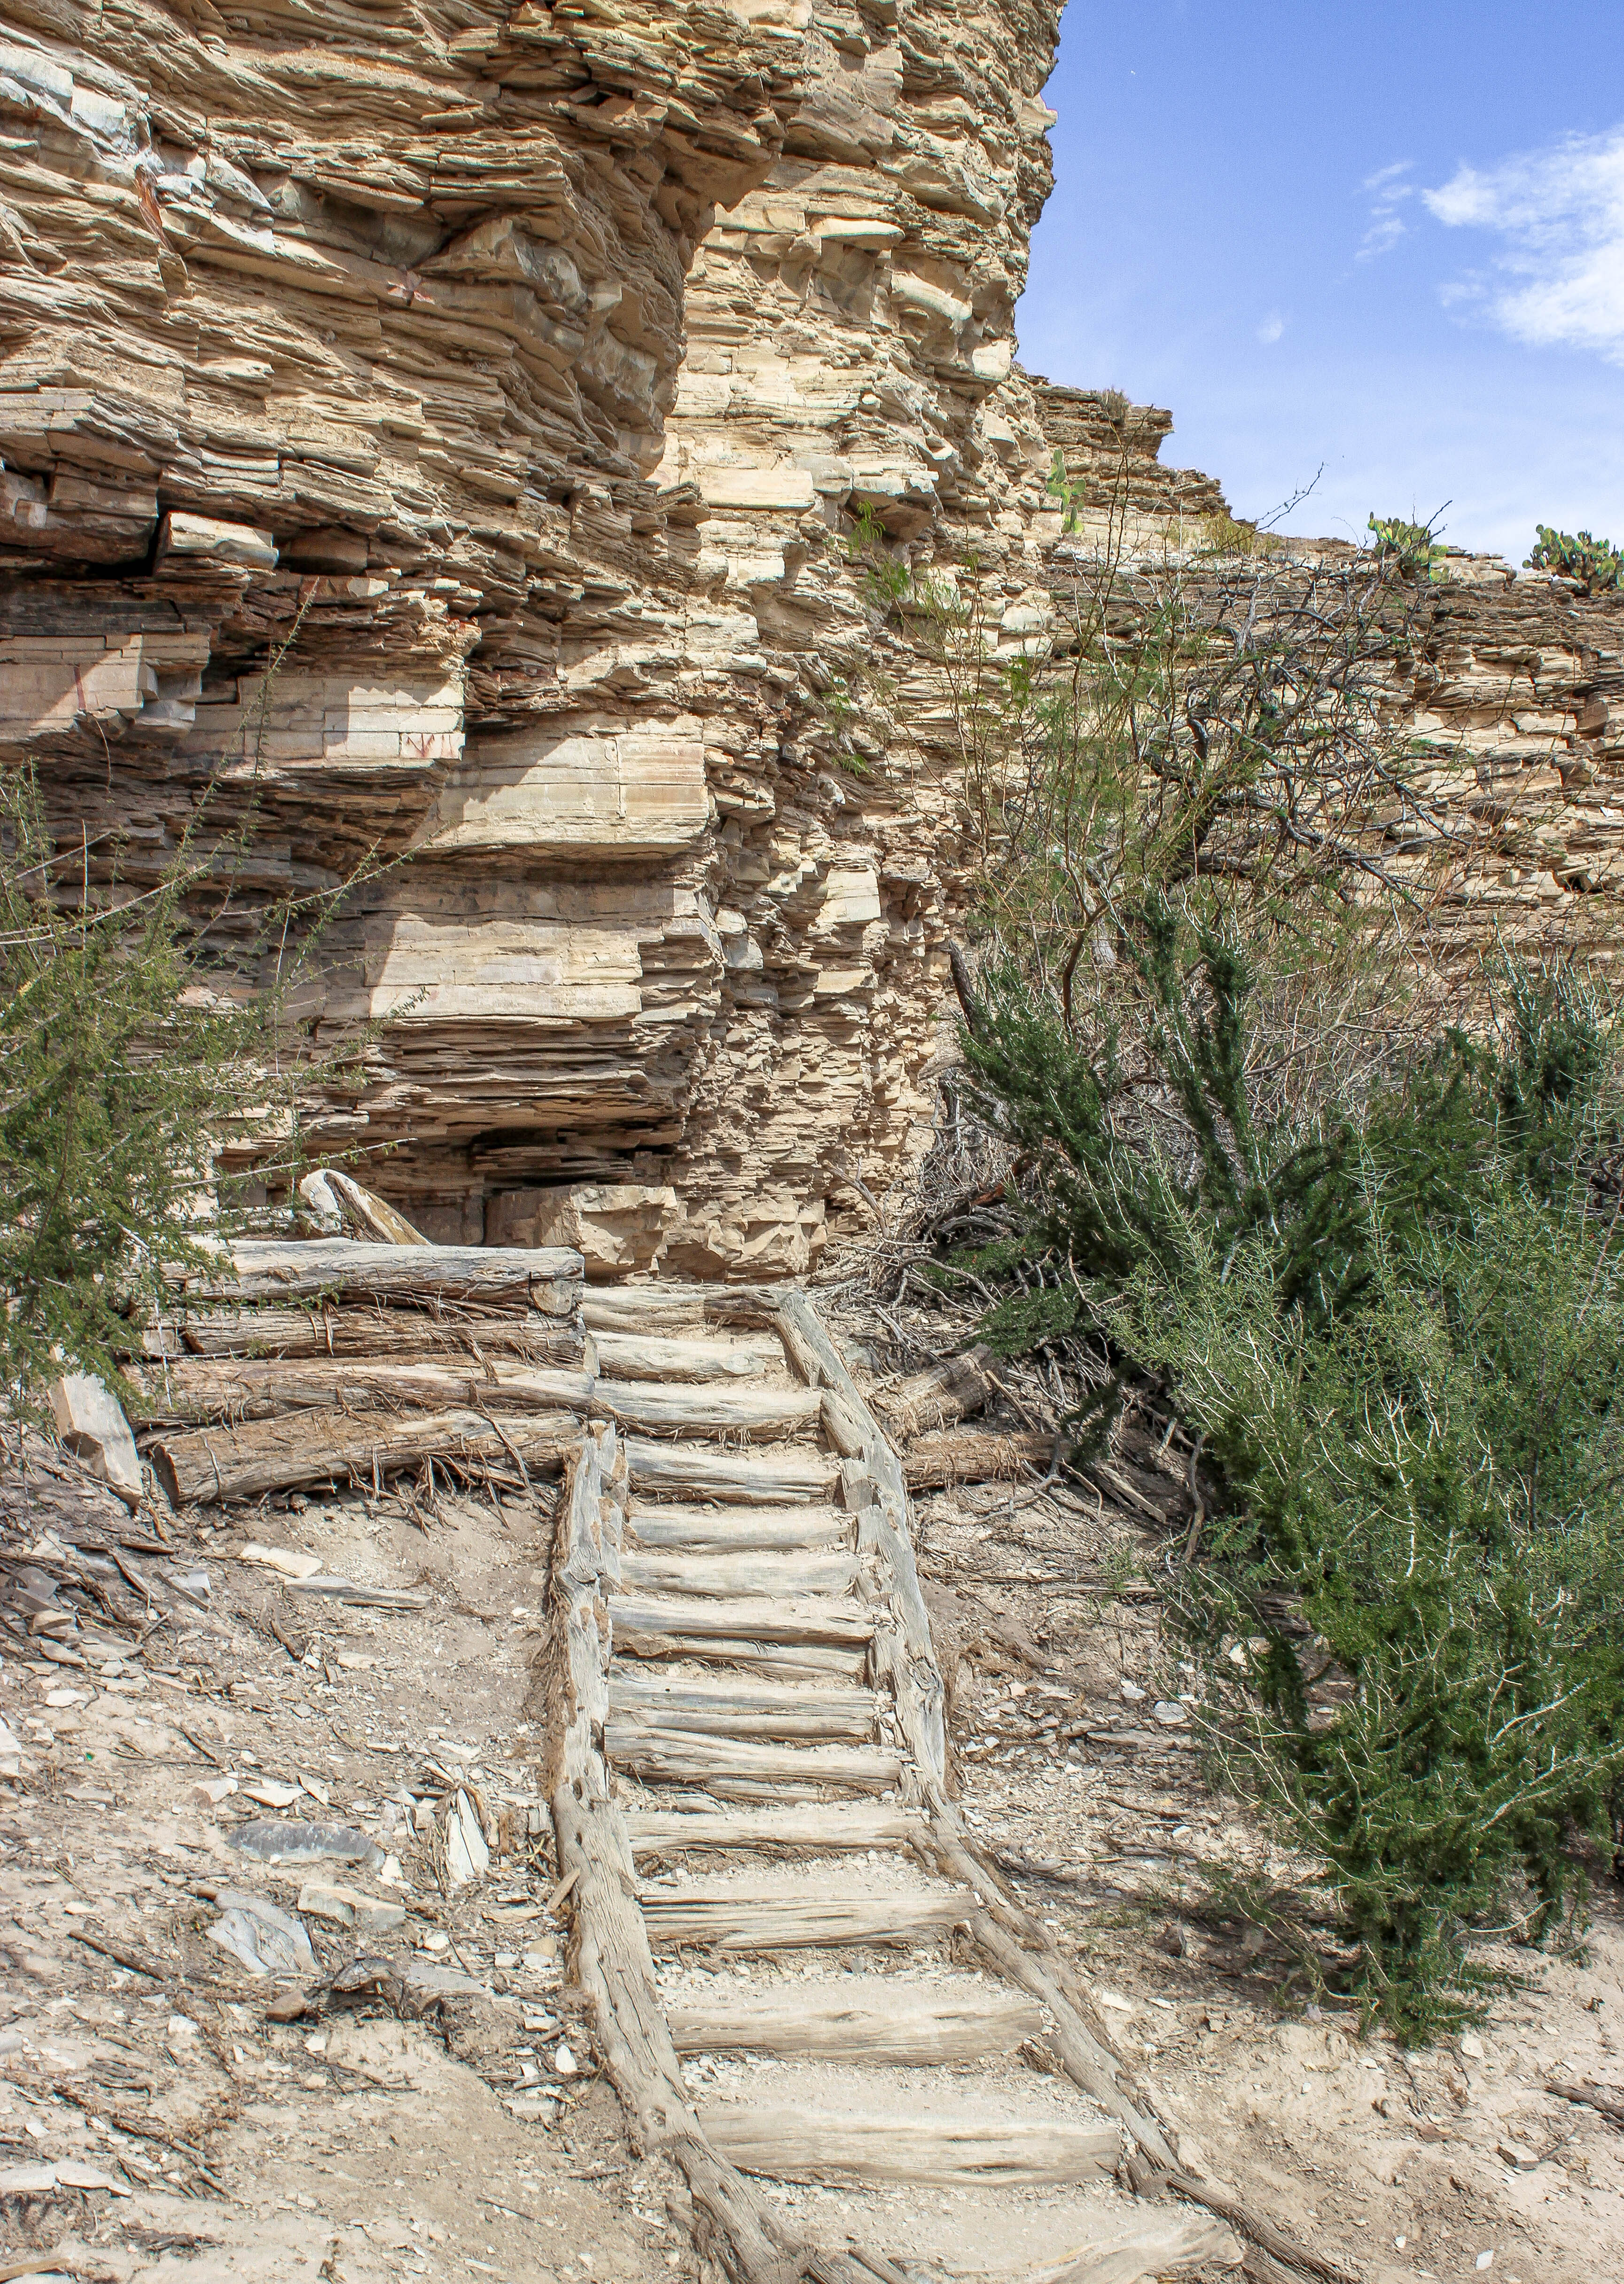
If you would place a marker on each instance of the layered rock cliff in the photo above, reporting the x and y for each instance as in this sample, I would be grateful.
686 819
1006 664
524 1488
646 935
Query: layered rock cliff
468 433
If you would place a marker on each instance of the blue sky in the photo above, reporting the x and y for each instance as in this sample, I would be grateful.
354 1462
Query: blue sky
1386 237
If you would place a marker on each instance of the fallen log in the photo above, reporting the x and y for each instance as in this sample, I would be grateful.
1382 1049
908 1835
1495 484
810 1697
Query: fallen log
974 1455
223 1464
194 1389
398 1334
929 1401
547 1278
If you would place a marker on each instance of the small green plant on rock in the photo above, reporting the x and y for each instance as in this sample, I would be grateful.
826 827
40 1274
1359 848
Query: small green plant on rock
1597 564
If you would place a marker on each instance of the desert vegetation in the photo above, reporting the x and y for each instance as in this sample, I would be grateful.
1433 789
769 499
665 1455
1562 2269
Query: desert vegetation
1236 1149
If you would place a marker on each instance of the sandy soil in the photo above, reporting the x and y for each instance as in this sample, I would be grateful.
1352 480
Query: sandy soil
1406 2165
347 2149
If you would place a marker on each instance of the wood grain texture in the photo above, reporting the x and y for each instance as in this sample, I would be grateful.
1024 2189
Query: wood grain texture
223 1464
876 2022
740 1919
803 2145
744 1478
662 1755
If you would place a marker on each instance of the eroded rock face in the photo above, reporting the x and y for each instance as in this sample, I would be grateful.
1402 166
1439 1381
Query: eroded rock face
469 434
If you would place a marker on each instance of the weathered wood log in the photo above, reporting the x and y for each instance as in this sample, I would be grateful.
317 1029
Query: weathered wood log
678 1309
804 1828
396 1334
802 1661
721 1577
760 1414
973 1455
663 1755
547 1278
739 1529
806 2144
201 1388
735 1919
762 1621
731 1708
1021 1949
742 1478
874 2019
611 1958
903 1652
643 1355
947 1392
219 1465
1161 2244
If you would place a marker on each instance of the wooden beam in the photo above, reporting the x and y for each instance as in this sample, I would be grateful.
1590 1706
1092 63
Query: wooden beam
701 1706
547 1278
736 1920
721 1578
739 1478
808 2144
809 1828
763 1415
218 1465
739 1529
844 1623
463 1333
678 1756
645 1356
871 2019
237 1388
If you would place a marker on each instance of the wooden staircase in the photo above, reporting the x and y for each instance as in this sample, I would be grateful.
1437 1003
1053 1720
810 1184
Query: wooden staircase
803 1975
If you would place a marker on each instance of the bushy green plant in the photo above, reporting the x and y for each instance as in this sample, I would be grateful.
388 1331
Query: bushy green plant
1409 547
1396 1326
1597 564
130 1046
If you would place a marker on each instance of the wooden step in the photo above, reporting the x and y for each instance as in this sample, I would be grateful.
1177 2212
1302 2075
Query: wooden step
842 1622
749 1920
763 1415
646 1355
823 1828
740 1478
658 1756
806 1662
740 1530
701 1707
808 2144
721 1578
865 2019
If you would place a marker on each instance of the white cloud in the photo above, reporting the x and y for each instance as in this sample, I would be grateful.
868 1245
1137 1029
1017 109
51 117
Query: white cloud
1558 277
1271 329
1389 191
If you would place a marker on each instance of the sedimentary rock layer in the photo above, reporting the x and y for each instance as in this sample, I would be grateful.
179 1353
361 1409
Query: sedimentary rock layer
481 439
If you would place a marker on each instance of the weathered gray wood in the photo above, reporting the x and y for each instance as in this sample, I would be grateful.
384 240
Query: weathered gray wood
218 1465
463 1333
721 1577
806 2144
1020 1948
740 1530
762 1415
946 1393
702 1706
804 1828
740 1919
741 1478
645 1356
245 1389
976 1455
803 1661
661 1756
871 2019
610 1956
547 1278
1162 2244
679 1309
840 1624
904 1651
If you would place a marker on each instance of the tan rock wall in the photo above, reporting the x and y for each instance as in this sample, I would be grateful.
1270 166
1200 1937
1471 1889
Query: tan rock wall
533 374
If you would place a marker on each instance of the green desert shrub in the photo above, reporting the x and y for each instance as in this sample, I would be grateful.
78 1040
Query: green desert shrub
1597 564
1392 1326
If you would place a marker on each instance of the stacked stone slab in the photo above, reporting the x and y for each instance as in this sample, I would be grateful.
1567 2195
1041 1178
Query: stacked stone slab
468 433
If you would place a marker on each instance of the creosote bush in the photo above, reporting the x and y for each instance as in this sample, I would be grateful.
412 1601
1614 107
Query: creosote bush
1392 1332
139 1027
